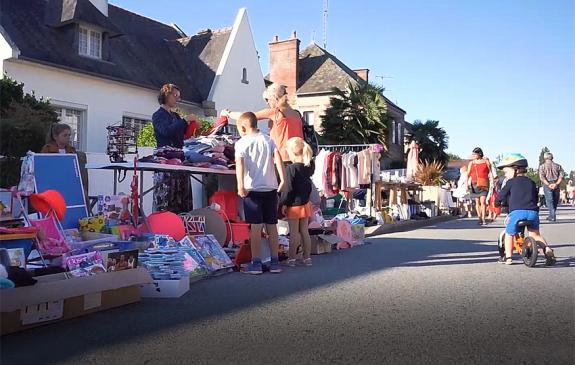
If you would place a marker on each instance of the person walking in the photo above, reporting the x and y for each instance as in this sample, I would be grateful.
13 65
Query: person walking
480 175
551 176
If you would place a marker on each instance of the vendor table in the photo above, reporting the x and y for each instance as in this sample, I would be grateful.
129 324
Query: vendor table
123 169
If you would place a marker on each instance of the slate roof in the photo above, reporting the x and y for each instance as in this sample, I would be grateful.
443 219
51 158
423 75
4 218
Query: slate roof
145 52
320 71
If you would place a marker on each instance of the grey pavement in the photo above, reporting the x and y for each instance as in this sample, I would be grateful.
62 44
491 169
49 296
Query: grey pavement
433 295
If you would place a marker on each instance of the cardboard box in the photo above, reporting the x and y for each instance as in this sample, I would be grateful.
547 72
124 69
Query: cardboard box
165 288
322 243
55 298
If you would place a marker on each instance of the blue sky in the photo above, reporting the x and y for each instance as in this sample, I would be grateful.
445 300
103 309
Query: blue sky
496 74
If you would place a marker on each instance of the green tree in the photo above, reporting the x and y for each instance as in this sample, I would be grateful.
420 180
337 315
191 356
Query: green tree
26 121
533 174
453 156
432 140
147 138
541 158
357 115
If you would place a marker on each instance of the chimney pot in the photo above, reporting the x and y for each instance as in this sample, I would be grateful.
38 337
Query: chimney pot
275 38
294 35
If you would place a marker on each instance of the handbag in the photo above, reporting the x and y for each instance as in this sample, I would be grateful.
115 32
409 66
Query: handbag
482 183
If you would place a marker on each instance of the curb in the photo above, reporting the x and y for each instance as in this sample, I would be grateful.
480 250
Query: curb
406 226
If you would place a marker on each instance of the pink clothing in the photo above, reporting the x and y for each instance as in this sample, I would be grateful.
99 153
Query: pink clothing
412 160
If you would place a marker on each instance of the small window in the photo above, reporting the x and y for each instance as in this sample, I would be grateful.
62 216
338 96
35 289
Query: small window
90 43
308 118
137 123
76 119
245 76
393 132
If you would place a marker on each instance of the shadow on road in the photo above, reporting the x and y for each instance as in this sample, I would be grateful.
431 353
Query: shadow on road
234 292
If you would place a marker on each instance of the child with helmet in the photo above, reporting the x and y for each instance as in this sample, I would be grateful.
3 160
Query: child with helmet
521 195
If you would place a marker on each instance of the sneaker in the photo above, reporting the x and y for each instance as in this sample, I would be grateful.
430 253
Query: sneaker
550 256
253 269
307 262
291 262
508 261
275 268
501 259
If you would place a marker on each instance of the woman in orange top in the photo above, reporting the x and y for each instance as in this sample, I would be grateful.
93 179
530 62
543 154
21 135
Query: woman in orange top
479 181
285 123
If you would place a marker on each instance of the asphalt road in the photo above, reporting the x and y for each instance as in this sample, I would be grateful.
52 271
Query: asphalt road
434 295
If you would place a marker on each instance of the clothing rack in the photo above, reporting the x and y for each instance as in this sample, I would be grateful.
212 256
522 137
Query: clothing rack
345 147
357 148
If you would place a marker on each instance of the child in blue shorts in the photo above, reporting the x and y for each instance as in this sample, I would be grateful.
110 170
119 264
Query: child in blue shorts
521 195
256 156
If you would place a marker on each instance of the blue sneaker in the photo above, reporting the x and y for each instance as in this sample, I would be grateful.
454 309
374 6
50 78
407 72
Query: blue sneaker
275 268
254 268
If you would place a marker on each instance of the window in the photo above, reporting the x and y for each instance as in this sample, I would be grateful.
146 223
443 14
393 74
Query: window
393 132
137 123
90 43
308 118
76 119
245 76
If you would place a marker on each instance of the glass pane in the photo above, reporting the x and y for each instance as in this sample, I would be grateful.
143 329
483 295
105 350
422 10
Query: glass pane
95 44
83 41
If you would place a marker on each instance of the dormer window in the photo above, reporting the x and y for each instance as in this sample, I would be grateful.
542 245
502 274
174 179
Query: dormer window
90 43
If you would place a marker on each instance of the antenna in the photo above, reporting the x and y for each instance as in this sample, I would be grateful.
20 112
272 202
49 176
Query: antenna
325 7
382 77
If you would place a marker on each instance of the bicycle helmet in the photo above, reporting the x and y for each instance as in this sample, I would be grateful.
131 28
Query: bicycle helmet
513 160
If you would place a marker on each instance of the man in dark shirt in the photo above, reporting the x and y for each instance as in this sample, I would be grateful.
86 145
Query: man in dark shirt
551 175
520 194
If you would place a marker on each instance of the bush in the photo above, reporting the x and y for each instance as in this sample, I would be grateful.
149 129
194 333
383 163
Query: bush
26 121
429 173
147 138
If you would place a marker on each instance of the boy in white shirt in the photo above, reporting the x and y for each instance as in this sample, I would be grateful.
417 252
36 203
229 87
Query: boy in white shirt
256 155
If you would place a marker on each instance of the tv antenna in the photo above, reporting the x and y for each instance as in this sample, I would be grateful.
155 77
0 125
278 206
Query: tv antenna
325 8
382 77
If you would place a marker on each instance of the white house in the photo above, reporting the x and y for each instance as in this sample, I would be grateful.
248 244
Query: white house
100 64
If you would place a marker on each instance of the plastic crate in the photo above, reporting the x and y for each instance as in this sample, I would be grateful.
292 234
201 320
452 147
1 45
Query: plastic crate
240 232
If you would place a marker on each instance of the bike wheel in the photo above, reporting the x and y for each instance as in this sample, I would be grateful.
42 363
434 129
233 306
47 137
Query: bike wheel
529 252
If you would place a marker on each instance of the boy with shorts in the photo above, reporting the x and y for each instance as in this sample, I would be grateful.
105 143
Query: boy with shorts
256 155
520 194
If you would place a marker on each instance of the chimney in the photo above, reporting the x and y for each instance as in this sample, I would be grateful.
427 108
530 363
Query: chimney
363 73
101 5
284 57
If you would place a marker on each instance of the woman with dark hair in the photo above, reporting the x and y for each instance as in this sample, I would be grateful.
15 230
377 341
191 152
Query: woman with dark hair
479 181
173 190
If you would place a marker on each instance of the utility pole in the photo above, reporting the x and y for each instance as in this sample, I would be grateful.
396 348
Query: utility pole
325 8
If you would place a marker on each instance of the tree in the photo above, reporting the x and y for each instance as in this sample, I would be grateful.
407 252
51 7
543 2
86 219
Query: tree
357 115
453 156
541 158
432 140
26 121
147 138
533 174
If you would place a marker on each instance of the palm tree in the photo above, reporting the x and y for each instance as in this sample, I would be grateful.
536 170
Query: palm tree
357 115
432 140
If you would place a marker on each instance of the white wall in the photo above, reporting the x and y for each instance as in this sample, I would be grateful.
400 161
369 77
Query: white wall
105 101
228 91
6 52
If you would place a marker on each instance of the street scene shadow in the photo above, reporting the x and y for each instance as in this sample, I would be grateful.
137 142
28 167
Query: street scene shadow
227 294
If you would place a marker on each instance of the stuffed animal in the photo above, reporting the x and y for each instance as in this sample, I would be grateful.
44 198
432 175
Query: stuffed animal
4 282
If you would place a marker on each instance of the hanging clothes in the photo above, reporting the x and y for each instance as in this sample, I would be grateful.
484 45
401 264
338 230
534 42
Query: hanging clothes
364 167
412 161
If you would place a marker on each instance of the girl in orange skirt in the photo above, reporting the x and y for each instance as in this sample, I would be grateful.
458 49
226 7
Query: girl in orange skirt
294 200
